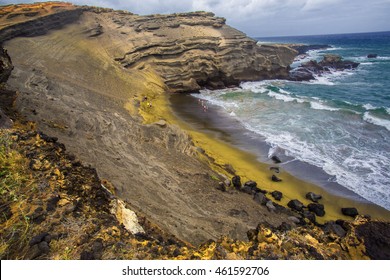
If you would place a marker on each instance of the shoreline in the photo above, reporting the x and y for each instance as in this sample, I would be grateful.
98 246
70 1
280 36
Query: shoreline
227 142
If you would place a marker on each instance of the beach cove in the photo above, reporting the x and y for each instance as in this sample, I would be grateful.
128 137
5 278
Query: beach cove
89 120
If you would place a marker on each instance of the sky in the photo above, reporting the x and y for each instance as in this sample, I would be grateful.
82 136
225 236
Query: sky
265 18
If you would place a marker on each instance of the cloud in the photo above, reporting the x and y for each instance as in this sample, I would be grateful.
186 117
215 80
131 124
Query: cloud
271 17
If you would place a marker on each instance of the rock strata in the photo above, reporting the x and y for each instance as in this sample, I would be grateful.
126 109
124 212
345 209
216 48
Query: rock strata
201 51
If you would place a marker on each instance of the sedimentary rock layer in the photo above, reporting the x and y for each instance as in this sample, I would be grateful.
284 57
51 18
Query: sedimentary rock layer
188 50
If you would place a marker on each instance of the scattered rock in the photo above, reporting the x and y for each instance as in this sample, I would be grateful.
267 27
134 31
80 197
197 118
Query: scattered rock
295 204
317 208
260 198
350 211
250 187
294 219
331 227
285 226
38 216
47 138
313 197
309 216
162 123
52 203
274 178
277 195
38 238
236 181
372 55
276 159
270 206
38 165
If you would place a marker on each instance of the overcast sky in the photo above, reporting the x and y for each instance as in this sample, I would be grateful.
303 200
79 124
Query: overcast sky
261 18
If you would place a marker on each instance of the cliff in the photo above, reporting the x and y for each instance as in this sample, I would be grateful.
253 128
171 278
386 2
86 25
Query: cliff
188 51
195 50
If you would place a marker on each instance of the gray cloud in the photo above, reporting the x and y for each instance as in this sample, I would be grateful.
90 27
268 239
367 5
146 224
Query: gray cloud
271 17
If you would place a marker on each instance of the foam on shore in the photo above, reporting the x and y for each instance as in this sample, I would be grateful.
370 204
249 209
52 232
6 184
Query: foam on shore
222 151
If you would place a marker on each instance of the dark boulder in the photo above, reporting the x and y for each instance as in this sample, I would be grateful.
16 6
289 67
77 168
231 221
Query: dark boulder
295 204
271 207
372 55
38 250
309 216
301 74
236 182
250 187
277 195
376 236
332 227
313 197
39 238
350 211
317 209
336 62
274 178
276 159
260 198
330 62
52 203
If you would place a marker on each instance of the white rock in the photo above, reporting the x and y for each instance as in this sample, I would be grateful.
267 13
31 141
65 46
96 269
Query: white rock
125 216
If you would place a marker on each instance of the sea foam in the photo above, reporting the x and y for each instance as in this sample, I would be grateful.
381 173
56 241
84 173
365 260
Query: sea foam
377 121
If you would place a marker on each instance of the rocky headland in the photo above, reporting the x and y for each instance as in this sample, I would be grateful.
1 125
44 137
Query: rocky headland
83 97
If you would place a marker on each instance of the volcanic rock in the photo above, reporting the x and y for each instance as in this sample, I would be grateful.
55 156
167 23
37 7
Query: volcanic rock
274 178
313 197
317 208
295 204
350 211
277 195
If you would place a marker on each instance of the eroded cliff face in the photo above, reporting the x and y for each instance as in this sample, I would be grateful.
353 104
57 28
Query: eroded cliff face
188 51
193 50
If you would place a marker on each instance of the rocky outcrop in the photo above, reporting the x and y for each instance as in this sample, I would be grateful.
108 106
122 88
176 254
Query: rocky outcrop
188 51
307 71
5 65
194 50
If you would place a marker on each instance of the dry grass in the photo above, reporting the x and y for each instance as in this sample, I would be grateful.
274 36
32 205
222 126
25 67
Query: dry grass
15 184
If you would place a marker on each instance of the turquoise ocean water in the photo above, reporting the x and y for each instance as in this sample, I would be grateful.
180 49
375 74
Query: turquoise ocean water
339 122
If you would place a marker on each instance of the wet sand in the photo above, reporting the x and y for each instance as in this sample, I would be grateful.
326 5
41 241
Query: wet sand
225 139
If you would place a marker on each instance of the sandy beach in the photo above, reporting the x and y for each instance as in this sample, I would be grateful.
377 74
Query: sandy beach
226 140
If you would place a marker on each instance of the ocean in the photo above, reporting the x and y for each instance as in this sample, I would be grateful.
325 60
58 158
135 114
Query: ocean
338 123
